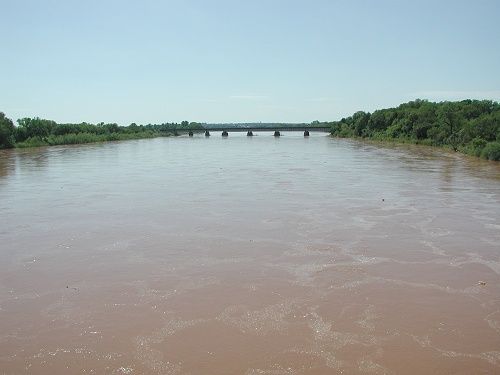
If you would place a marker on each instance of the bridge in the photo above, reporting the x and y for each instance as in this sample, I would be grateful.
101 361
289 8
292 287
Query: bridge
276 129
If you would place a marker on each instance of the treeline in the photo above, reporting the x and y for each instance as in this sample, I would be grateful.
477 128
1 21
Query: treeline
32 132
469 126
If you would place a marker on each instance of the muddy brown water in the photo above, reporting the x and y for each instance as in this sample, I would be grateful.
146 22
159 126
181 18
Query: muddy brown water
248 256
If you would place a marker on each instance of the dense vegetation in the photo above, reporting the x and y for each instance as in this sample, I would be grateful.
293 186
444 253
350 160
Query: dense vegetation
469 126
32 132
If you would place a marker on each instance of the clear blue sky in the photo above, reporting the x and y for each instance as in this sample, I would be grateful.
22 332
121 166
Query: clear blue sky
235 61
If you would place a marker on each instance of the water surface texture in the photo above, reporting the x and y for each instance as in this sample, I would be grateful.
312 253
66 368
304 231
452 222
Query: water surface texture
248 256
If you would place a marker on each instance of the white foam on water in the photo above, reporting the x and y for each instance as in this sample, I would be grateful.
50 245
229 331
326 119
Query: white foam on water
476 258
368 366
258 322
274 370
45 355
154 359
494 323
492 357
363 223
436 250
328 341
492 226
367 321
300 250
304 274
322 331
152 296
470 291
328 357
124 370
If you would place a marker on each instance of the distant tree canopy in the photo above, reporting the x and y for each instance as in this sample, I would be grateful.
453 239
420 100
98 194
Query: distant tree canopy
38 132
470 126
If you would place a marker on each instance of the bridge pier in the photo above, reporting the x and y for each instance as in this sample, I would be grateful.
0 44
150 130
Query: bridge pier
277 133
249 133
190 133
306 133
207 133
224 133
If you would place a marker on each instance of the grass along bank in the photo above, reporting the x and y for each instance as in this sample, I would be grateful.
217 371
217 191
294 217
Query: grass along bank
80 138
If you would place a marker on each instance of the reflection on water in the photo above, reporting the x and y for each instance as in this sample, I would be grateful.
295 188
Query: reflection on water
7 164
248 256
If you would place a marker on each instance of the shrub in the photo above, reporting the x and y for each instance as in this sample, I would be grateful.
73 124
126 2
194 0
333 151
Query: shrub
32 142
491 151
476 146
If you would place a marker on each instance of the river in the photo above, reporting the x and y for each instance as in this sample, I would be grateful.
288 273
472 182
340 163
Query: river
250 256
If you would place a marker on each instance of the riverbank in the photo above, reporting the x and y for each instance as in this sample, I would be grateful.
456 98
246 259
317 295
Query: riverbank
468 126
490 153
81 138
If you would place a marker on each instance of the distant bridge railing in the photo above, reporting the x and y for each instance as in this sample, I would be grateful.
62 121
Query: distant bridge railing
250 129
266 129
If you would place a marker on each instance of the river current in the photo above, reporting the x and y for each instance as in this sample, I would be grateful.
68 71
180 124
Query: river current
248 255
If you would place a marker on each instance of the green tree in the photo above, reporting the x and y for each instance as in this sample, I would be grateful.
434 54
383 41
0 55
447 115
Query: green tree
7 131
451 121
133 128
34 127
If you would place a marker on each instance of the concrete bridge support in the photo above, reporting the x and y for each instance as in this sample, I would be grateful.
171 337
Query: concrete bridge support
277 133
190 133
207 133
306 133
224 133
249 133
